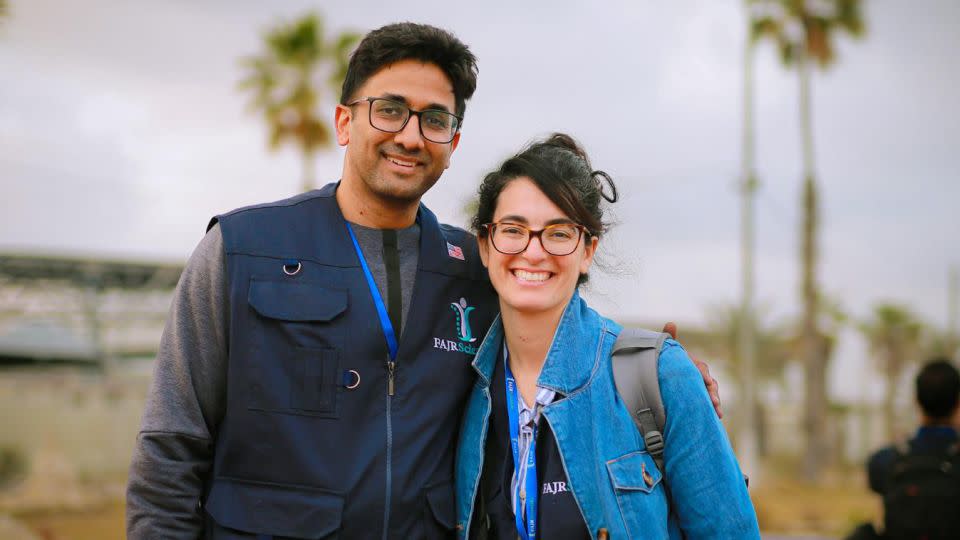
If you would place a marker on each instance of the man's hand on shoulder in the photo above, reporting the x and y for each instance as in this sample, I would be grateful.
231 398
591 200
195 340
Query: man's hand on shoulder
713 387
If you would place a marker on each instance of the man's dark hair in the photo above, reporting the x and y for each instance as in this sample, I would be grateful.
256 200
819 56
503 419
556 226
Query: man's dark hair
409 41
938 388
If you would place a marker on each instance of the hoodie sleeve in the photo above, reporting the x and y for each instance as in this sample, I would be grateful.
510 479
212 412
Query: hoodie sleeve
173 455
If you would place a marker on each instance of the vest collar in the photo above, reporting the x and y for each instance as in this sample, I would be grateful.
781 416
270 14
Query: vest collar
434 254
433 249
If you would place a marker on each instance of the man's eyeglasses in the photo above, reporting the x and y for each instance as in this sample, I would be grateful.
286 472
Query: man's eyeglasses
557 239
392 116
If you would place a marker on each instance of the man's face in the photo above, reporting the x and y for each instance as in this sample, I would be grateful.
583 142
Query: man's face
396 168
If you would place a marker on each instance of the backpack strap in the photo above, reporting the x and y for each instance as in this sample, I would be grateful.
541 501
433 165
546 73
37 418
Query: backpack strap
902 447
635 357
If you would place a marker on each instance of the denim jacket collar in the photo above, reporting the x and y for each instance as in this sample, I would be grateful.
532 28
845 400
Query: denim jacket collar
572 354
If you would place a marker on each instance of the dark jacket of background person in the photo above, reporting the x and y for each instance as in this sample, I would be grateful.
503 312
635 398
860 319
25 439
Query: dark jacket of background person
929 440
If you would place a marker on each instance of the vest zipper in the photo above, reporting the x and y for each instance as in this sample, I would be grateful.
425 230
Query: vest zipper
391 370
391 367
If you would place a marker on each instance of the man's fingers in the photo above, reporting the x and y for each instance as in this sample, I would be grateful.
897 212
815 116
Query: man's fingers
714 389
713 386
671 328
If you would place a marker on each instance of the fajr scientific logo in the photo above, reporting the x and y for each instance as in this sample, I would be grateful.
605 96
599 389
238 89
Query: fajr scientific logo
464 332
463 320
552 488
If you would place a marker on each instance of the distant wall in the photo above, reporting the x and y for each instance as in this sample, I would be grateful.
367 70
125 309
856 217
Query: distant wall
88 418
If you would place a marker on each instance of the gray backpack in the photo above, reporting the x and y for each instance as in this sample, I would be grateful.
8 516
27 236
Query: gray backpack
634 358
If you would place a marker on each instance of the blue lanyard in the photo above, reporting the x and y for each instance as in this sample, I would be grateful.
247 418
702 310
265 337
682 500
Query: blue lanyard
527 530
377 299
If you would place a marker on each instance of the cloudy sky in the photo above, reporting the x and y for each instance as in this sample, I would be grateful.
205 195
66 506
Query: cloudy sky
122 132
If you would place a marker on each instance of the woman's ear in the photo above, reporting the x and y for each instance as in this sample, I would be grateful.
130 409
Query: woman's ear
483 243
589 249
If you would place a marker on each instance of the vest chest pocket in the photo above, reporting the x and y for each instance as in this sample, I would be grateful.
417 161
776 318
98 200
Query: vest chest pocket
294 364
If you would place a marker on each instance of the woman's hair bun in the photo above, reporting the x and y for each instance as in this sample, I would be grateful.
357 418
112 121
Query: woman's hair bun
603 180
562 140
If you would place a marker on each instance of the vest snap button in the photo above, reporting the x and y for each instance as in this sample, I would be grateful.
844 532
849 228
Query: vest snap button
356 381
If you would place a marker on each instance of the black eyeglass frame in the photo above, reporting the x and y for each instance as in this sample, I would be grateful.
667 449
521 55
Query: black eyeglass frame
490 230
410 113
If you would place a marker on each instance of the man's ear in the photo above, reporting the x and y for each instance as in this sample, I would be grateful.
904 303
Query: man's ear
453 147
341 121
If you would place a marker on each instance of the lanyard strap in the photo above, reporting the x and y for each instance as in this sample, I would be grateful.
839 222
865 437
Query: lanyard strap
377 299
526 494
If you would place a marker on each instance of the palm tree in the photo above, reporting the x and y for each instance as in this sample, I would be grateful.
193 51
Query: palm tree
746 340
804 30
287 81
947 342
894 334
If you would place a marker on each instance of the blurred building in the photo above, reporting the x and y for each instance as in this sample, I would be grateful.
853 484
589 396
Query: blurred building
59 310
77 340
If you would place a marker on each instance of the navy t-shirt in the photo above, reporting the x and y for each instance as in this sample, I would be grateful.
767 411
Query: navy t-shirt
559 515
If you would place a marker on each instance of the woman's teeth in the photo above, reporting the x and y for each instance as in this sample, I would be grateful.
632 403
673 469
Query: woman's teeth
531 276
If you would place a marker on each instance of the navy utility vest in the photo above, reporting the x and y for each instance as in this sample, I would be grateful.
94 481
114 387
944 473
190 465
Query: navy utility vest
312 445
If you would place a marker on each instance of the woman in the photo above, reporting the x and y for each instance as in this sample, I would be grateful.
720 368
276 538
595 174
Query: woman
545 396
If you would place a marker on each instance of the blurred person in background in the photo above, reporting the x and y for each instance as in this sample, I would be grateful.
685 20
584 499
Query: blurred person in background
314 366
919 479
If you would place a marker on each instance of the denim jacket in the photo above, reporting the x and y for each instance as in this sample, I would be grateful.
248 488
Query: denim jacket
613 479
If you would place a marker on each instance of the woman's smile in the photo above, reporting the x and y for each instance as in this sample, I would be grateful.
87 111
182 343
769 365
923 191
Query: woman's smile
531 277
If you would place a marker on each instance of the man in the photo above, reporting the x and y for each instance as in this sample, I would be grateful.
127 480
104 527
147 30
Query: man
919 480
313 370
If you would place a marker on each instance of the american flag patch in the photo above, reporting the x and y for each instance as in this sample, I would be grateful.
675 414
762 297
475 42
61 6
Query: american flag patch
454 251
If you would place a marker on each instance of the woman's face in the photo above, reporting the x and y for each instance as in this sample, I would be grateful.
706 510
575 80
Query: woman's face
533 280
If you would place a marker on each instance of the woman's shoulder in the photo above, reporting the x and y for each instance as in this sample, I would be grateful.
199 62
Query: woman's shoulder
674 359
676 372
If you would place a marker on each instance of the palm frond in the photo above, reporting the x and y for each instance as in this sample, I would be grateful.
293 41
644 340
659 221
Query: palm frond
339 52
849 16
285 81
893 333
818 24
